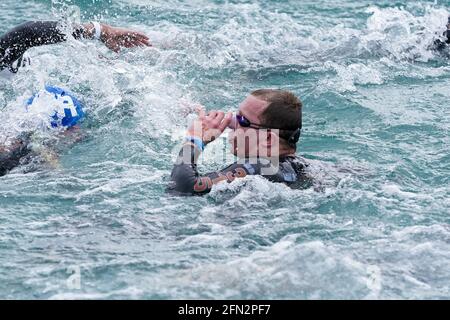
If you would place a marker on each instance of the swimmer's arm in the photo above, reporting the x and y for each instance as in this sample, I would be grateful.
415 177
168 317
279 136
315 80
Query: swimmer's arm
31 34
37 33
186 180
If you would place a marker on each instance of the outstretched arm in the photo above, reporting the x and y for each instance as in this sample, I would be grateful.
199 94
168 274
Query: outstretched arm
37 33
31 34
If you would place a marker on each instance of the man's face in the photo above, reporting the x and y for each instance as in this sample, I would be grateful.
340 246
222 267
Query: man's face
251 108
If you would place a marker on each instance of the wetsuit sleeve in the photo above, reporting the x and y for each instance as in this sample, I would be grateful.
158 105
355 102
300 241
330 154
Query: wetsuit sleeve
31 34
186 180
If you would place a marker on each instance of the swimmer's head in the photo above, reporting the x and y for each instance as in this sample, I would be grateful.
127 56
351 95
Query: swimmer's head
56 108
272 118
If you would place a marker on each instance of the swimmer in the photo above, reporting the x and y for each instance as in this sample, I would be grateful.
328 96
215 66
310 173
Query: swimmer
53 108
272 117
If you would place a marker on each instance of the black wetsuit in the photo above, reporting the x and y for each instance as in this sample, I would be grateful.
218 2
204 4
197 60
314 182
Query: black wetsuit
186 180
14 43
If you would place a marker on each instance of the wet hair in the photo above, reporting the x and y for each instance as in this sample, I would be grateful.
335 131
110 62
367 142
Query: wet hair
283 112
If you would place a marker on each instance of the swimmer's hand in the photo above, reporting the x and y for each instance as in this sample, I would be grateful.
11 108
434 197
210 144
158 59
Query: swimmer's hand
115 38
209 127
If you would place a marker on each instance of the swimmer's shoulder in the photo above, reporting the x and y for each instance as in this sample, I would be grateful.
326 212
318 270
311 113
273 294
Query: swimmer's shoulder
296 172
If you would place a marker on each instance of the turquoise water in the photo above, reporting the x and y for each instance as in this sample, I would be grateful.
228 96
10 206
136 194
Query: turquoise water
376 131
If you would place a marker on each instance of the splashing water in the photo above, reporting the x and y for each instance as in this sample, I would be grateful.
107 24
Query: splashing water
376 133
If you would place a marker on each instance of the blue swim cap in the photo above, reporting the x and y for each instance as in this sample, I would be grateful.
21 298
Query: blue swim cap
58 106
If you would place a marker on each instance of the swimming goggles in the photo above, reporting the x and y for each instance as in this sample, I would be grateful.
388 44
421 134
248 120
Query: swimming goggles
292 136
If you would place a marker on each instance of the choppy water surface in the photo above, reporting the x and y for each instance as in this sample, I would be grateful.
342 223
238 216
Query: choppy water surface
376 131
